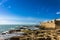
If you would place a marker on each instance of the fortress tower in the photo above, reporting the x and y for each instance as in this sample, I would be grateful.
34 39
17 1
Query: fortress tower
53 24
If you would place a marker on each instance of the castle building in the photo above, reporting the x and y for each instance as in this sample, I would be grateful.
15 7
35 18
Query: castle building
53 24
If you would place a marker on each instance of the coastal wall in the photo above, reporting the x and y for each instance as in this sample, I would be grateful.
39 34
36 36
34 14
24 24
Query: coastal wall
48 25
57 24
53 24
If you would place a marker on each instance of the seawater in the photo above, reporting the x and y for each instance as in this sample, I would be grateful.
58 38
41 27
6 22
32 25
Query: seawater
4 28
7 27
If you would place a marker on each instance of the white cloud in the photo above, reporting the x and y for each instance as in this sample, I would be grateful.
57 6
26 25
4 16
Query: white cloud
9 6
3 1
20 20
58 13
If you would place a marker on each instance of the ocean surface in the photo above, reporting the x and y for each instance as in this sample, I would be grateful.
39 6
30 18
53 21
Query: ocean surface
7 27
4 28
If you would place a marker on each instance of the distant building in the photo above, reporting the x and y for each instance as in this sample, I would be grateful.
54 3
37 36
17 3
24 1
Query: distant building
53 24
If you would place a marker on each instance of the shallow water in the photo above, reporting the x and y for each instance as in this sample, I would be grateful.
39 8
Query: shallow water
7 27
4 28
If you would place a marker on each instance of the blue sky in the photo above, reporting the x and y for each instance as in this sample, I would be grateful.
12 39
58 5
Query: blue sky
28 11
